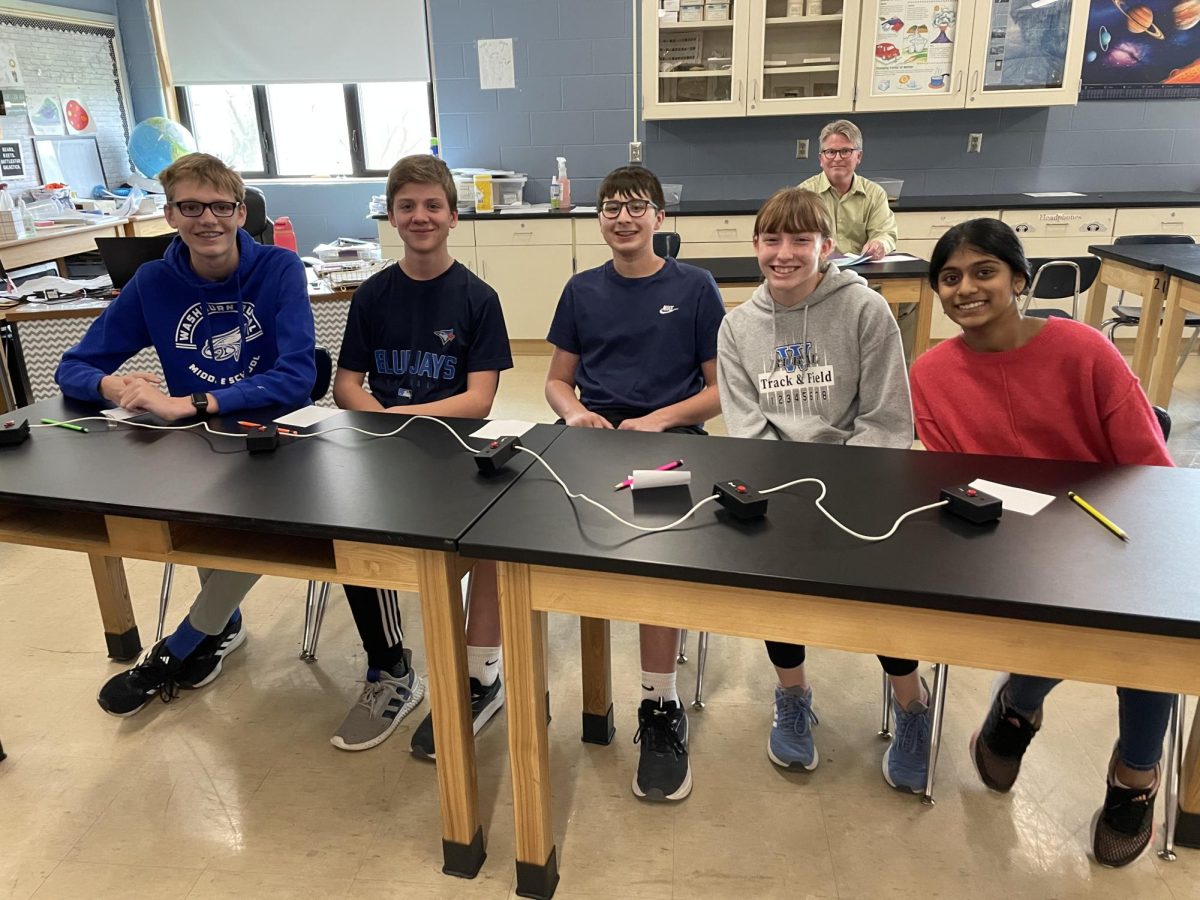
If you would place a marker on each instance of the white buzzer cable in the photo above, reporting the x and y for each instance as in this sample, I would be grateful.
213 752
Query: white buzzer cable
850 531
573 496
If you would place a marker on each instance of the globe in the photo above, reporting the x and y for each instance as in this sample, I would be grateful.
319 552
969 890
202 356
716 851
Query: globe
156 143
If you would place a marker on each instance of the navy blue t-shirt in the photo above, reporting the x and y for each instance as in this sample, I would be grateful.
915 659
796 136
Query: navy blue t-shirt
417 340
640 341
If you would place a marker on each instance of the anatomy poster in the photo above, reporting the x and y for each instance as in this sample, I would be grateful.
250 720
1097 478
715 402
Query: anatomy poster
914 47
1142 50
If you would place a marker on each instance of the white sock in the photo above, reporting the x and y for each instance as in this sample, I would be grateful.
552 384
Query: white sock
659 686
483 664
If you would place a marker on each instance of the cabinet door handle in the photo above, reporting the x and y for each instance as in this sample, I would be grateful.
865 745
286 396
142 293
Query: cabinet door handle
753 91
974 81
739 90
958 81
483 268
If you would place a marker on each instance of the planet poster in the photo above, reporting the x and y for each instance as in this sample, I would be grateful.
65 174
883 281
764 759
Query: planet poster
45 113
1142 50
76 114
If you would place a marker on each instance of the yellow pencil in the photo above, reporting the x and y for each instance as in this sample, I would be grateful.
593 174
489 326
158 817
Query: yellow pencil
1098 516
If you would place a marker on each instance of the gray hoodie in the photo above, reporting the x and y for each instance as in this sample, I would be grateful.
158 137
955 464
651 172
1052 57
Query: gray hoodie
828 370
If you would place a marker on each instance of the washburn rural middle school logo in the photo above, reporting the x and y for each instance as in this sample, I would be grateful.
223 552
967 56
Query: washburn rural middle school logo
221 346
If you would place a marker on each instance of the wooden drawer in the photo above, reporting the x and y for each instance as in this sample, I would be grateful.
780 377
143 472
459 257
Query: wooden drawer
715 229
1158 221
897 290
1094 224
587 231
735 295
932 225
522 233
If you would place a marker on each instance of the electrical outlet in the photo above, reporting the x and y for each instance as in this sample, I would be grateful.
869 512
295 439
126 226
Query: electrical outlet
802 149
975 142
635 151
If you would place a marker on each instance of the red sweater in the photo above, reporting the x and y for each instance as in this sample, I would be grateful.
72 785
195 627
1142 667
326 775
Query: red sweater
1067 394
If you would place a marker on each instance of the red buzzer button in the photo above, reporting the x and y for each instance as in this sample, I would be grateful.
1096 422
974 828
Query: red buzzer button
741 489
494 444
971 492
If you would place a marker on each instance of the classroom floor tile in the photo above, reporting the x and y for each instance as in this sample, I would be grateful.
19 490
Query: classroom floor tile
234 790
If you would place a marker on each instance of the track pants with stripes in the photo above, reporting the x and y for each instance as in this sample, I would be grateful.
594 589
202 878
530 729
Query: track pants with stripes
376 612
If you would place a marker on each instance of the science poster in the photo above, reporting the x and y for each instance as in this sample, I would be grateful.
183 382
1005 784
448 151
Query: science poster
914 47
1142 50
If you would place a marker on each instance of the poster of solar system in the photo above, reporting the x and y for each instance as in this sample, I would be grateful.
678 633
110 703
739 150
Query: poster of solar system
1142 50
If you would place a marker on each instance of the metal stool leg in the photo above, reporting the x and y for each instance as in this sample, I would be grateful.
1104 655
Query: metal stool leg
314 616
164 598
682 656
702 652
885 721
941 674
1175 742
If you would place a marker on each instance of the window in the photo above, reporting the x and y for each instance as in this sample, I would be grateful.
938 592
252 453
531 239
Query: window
302 130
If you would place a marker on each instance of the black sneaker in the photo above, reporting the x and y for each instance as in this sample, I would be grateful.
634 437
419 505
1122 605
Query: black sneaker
664 771
157 674
1001 741
204 663
485 703
1123 828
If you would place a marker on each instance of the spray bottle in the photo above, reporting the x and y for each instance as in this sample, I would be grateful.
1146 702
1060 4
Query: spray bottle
564 184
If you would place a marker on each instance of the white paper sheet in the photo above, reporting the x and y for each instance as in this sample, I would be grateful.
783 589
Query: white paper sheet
119 414
653 478
498 428
1015 499
496 64
310 415
1054 194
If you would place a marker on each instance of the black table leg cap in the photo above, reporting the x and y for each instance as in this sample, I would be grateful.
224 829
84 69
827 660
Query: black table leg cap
599 729
463 860
537 881
123 647
1187 829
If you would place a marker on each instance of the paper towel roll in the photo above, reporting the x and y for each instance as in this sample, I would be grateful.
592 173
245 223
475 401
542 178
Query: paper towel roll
653 478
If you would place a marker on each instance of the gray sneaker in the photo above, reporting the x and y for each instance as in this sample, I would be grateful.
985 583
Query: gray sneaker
1002 739
375 715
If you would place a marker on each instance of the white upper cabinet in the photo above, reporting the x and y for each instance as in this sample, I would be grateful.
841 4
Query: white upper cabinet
802 56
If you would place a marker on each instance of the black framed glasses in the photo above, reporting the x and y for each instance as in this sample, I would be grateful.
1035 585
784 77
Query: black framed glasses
610 209
222 209
839 152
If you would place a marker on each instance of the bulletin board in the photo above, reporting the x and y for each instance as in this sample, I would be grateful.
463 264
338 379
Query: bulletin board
67 60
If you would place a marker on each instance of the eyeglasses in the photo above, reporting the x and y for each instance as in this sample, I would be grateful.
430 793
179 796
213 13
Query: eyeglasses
222 209
610 209
839 152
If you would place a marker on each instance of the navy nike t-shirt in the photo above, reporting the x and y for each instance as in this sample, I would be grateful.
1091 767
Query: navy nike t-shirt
418 340
640 341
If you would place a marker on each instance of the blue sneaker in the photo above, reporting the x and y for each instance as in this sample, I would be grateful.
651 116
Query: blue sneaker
906 761
791 742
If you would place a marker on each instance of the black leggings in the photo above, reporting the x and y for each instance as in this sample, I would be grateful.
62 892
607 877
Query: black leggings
788 656
376 612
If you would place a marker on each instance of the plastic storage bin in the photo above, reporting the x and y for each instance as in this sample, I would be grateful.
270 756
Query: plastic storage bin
672 193
893 186
508 190
465 185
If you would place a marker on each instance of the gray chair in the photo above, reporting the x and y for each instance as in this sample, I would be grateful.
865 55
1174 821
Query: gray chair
1132 315
666 243
258 224
315 607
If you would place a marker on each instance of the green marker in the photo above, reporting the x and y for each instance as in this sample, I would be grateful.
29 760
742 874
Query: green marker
64 425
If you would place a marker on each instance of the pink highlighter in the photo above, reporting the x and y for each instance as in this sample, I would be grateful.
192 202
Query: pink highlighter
667 467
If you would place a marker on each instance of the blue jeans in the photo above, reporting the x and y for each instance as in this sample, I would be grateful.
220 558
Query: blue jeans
1143 717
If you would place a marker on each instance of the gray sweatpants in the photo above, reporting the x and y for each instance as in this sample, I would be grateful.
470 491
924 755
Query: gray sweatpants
220 594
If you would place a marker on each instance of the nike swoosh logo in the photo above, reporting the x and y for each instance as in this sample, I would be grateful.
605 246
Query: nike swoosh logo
492 662
668 309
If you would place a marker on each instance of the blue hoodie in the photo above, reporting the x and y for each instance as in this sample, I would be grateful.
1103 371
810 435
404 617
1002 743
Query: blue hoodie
247 340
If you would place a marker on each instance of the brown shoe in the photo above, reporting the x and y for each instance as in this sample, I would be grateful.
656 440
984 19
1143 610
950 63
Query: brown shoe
999 744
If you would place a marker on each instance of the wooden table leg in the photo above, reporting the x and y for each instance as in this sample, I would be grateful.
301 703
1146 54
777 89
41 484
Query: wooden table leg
116 612
924 319
1187 827
1147 332
1166 357
528 742
1097 298
594 647
463 849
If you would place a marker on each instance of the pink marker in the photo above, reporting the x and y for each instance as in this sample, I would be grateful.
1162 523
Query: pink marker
667 467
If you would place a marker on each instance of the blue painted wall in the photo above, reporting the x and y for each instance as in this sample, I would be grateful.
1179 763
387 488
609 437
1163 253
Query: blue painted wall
574 98
141 63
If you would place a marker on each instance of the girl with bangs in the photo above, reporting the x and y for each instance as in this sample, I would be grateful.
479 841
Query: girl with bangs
815 355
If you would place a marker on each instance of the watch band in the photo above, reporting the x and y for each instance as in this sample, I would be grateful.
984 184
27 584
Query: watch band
200 401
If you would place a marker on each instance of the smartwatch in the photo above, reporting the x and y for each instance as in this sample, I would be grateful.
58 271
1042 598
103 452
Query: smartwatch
200 401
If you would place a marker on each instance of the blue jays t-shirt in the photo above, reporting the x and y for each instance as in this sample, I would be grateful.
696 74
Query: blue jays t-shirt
418 340
640 341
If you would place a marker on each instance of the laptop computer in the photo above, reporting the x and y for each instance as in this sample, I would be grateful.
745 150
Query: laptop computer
123 255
